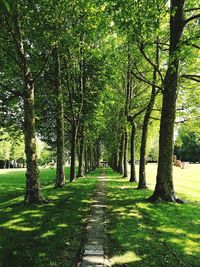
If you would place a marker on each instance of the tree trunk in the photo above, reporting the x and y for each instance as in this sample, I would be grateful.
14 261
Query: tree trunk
81 154
115 160
121 155
32 194
143 157
133 171
5 164
125 174
73 154
98 154
164 189
60 174
86 159
91 159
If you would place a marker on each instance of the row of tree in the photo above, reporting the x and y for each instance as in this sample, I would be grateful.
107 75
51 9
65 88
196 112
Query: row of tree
86 73
159 53
51 82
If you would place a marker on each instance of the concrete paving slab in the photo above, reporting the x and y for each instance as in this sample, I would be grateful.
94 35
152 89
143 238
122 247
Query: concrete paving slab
94 255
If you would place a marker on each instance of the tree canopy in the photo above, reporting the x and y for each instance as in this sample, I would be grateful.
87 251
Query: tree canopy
100 80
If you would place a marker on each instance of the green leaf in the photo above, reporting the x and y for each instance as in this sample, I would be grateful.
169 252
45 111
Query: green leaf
4 5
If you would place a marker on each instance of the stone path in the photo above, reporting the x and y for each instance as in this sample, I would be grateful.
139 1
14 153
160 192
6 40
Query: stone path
94 248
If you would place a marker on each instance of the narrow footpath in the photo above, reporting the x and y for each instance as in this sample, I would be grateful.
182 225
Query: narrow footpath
94 248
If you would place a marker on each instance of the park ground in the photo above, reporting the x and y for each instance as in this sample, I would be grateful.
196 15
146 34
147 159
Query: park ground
139 233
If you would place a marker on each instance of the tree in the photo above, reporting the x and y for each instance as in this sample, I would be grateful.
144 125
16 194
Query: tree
12 24
164 181
60 175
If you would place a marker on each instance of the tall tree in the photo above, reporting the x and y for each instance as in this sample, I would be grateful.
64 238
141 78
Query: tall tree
12 24
164 181
60 174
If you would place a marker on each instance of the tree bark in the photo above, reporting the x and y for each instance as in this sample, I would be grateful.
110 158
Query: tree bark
133 171
60 174
125 174
143 158
32 194
121 155
86 159
73 154
98 153
89 158
164 189
5 164
81 156
115 160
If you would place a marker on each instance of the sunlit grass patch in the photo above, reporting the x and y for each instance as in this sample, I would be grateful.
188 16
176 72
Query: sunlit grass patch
161 234
186 181
128 257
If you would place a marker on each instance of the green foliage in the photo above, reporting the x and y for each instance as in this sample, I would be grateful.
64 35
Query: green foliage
187 146
4 5
47 155
11 146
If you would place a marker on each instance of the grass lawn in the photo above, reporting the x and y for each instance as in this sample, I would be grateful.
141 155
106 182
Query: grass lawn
47 235
161 234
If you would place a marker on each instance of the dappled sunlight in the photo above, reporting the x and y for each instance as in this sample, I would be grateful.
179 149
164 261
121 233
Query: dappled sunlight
48 234
11 201
191 247
60 221
17 224
135 213
128 257
171 230
62 225
165 229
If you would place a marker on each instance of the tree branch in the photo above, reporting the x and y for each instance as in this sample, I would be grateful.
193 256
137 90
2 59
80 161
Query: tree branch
10 30
153 118
141 92
195 46
44 65
68 89
192 77
191 18
139 112
192 9
141 48
142 78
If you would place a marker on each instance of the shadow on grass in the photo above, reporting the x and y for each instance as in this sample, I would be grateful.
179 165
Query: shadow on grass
45 235
145 234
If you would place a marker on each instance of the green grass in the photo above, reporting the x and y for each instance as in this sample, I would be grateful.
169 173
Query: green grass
161 234
186 181
43 235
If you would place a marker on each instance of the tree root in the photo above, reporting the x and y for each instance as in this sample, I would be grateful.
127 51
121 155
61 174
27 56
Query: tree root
170 198
142 187
57 186
133 181
35 200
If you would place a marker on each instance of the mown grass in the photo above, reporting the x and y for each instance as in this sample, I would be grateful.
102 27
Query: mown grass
144 234
186 181
47 235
